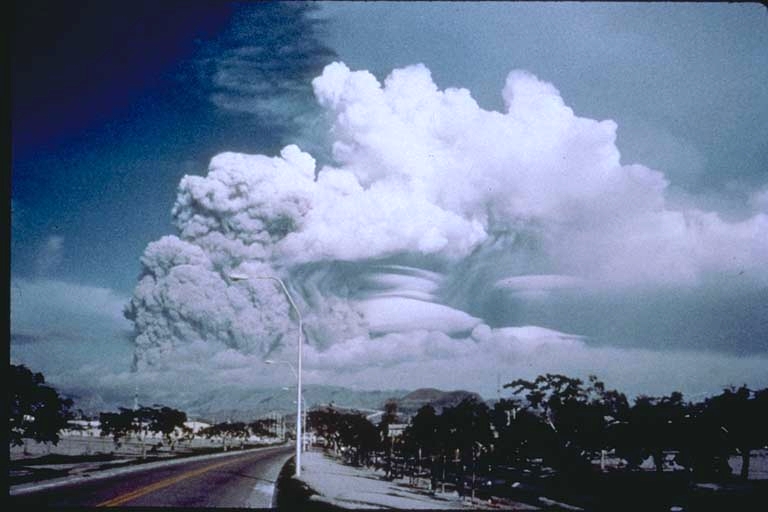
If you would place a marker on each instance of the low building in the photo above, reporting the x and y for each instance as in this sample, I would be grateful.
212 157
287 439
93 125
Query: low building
395 430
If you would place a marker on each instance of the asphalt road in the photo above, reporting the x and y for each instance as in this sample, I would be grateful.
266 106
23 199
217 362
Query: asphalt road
244 480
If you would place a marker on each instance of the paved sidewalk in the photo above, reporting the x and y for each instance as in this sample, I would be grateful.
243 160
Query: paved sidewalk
360 488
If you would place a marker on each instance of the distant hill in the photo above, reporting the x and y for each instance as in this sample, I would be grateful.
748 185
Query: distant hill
415 400
244 405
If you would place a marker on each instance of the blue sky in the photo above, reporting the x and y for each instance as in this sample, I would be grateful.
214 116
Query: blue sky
114 103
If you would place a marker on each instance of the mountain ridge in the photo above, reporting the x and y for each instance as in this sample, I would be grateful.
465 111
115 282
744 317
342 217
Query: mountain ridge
238 404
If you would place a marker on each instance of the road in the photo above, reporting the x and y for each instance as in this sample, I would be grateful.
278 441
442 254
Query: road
236 481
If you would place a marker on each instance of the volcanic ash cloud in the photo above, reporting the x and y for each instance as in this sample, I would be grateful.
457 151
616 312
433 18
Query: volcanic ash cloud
531 198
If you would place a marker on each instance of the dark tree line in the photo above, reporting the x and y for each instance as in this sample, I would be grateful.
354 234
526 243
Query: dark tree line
166 421
231 432
351 431
564 422
171 424
38 412
567 424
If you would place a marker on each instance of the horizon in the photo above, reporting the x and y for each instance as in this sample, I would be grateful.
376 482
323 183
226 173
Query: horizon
286 404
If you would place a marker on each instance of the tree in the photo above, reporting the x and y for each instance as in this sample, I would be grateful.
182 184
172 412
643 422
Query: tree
466 428
166 421
326 423
562 419
117 424
346 430
423 432
388 418
37 411
548 392
522 434
262 427
142 421
358 433
655 424
739 414
390 413
227 431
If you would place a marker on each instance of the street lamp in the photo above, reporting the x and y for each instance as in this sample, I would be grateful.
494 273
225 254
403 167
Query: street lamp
297 373
303 401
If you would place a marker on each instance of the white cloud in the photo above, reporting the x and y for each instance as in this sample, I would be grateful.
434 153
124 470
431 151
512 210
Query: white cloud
432 359
69 332
432 205
427 171
49 308
538 164
425 359
398 314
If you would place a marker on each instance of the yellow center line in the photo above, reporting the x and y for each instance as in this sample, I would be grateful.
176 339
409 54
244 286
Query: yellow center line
119 500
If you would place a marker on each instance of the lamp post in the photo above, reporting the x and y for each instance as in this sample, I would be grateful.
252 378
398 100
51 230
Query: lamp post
303 401
298 373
